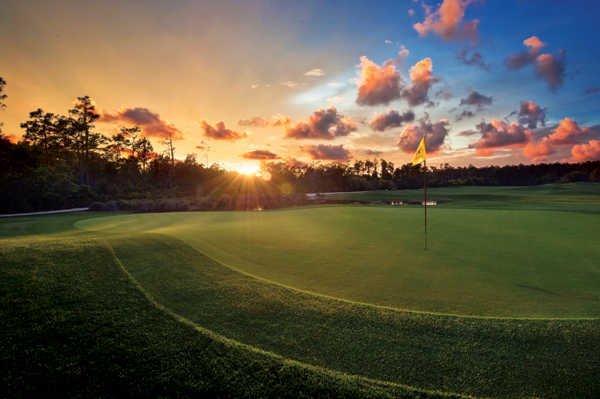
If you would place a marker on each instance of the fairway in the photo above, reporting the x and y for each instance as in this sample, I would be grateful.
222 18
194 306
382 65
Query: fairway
479 262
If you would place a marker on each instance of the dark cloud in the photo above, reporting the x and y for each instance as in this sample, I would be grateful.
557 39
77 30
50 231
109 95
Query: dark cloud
381 122
475 59
422 79
150 122
551 68
435 135
499 134
327 152
443 93
476 99
592 90
519 60
324 124
260 154
220 132
257 121
378 85
531 114
465 115
374 153
468 133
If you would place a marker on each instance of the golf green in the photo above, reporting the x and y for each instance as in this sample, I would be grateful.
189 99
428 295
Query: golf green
483 262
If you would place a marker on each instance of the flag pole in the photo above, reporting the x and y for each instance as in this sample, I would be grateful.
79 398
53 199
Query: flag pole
425 198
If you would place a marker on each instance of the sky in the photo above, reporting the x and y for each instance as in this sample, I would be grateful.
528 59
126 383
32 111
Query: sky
487 82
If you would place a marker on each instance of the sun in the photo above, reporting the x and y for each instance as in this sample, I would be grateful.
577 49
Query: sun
248 169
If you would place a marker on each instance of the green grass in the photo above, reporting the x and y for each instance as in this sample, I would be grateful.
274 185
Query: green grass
576 197
479 262
180 304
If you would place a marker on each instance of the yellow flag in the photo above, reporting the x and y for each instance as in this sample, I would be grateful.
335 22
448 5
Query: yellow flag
420 154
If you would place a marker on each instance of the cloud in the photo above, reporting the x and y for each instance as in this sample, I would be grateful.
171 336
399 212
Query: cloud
334 99
538 150
254 86
383 121
519 60
388 41
315 72
327 152
220 132
200 147
586 152
592 90
551 68
411 12
374 153
476 59
568 132
422 79
499 134
324 124
291 84
260 154
435 135
476 99
464 115
257 121
447 21
468 133
150 122
531 114
378 85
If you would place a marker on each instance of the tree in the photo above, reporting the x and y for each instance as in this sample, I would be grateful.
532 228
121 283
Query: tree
143 150
41 130
2 98
84 114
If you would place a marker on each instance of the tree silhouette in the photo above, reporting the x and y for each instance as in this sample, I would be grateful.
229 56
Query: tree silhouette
84 114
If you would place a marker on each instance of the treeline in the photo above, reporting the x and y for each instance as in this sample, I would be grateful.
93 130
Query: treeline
382 175
63 161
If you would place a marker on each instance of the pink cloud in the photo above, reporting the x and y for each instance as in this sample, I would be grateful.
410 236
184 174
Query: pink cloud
220 132
435 133
378 84
326 124
327 152
589 151
498 134
447 21
567 132
531 114
150 122
421 75
383 121
260 154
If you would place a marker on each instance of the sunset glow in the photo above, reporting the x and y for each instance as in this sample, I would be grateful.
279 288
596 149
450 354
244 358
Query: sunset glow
273 89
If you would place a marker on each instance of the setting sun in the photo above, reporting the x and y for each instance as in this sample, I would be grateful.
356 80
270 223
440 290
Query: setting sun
248 169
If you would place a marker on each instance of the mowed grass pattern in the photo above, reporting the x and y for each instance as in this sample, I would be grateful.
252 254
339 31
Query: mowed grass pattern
72 304
479 262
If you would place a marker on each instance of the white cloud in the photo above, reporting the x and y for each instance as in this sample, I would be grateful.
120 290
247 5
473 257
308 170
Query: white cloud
290 84
314 72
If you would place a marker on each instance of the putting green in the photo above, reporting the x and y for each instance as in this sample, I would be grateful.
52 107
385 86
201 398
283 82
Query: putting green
506 263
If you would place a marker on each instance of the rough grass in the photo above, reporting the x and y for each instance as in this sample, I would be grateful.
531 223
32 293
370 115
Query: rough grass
481 357
75 325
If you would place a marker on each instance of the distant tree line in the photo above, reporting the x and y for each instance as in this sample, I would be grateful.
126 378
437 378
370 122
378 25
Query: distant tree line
63 161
